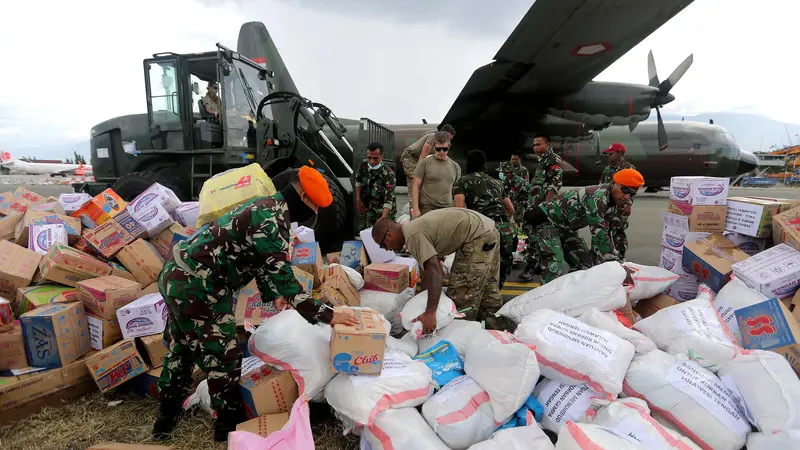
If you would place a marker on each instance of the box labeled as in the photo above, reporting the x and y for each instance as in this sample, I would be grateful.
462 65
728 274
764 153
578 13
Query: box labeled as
309 258
17 267
12 350
143 317
153 348
142 260
186 214
672 261
115 365
786 228
751 217
711 259
413 269
251 307
103 332
266 390
6 316
674 238
264 425
684 289
338 289
73 202
386 277
42 237
52 207
699 191
33 217
153 217
354 255
150 289
774 272
770 326
163 241
305 279
334 257
155 194
747 244
108 239
8 224
118 270
68 266
32 297
358 349
701 218
100 209
105 295
55 335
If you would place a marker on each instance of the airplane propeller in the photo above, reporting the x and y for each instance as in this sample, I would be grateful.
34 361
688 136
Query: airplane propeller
663 97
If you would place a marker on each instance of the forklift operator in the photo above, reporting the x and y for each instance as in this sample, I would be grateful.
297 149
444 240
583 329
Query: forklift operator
212 101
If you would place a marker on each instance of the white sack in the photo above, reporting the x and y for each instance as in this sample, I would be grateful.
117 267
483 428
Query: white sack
405 345
649 281
609 322
356 280
631 418
387 303
789 440
445 313
584 436
693 329
448 264
460 413
572 352
402 383
692 397
518 438
563 403
735 295
573 294
505 368
200 397
399 429
459 333
287 341
769 388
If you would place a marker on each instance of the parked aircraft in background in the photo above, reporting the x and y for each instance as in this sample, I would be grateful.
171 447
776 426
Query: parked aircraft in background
12 166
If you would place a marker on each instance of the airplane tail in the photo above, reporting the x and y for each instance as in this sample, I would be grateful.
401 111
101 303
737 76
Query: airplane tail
5 157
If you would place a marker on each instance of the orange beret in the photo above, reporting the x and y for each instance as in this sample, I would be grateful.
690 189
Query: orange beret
630 178
316 187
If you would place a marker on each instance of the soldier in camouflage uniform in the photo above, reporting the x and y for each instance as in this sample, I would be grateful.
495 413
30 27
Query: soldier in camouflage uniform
569 212
515 183
545 185
375 187
197 284
482 193
618 224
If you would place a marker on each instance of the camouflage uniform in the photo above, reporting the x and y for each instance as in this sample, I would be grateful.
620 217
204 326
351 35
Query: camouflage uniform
485 195
619 222
197 283
515 182
567 213
377 191
547 178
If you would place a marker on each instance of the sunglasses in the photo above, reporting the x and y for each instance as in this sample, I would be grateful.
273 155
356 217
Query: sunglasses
442 149
629 190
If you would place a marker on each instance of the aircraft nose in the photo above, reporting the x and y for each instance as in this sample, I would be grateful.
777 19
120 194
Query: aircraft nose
747 162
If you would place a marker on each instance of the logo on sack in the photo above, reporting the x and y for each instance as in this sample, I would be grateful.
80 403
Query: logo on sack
243 182
667 263
680 191
145 201
139 323
111 202
710 191
674 241
149 215
41 239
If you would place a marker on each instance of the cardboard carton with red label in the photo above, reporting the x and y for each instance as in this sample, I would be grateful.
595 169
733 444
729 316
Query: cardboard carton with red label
358 349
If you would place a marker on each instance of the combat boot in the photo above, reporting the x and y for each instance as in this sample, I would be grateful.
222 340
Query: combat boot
527 274
227 421
169 413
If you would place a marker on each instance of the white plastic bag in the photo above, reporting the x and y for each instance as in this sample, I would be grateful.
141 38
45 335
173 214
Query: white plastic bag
518 438
564 402
459 333
448 264
288 342
788 440
573 294
505 368
769 389
735 295
693 329
398 429
610 323
405 345
584 436
445 313
202 398
691 397
649 281
387 303
572 352
355 279
630 417
402 383
460 413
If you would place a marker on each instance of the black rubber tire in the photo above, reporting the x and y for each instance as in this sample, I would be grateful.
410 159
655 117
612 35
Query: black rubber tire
133 184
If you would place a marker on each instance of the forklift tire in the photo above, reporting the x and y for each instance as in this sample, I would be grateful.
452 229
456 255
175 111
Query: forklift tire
330 221
131 185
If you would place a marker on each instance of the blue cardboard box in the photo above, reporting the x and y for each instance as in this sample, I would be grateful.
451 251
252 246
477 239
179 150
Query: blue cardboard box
354 255
55 335
308 257
711 259
770 326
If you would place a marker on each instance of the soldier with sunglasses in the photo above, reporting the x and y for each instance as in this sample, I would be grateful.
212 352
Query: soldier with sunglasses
591 206
434 178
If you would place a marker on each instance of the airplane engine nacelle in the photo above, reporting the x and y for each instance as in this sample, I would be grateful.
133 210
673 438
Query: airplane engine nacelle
602 103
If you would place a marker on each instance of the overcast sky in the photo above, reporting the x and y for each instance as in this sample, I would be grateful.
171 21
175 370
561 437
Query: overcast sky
70 65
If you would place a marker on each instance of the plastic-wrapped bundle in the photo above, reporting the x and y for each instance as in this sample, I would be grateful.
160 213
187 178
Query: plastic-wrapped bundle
459 333
460 413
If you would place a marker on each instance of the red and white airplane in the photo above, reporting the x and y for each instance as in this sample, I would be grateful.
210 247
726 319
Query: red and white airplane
13 166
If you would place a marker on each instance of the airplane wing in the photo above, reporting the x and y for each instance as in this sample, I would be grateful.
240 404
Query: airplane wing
558 47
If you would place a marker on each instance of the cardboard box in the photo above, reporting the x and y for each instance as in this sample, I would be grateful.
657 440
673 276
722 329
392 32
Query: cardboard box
55 335
358 349
386 277
652 305
131 226
264 425
309 258
100 209
103 332
184 234
751 217
8 224
153 217
701 218
32 217
304 278
42 237
153 348
150 289
251 307
334 258
30 197
747 244
82 245
118 446
354 255
770 326
672 261
711 259
142 260
163 240
115 365
413 269
674 239
187 213
700 191
337 288
684 289
6 316
266 390
774 272
143 317
304 234
17 267
118 270
786 228
146 384
155 194
68 266
32 297
51 207
108 239
73 202
12 350
105 295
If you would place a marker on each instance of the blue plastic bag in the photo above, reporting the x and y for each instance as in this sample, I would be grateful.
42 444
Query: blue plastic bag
444 362
531 411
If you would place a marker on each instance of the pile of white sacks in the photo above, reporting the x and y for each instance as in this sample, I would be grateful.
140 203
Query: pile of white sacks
675 380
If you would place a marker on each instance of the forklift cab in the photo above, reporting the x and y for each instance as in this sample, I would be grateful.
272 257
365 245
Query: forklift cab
176 86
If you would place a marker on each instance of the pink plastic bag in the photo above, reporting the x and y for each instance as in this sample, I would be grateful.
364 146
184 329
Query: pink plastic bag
295 435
